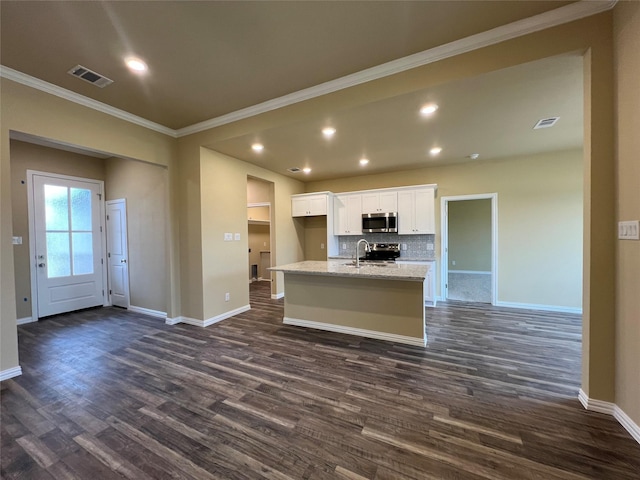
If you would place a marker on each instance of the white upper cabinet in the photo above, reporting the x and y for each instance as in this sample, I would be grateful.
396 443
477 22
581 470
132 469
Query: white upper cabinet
308 205
379 202
348 215
416 211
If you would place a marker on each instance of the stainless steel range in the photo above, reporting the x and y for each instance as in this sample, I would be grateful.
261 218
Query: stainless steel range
386 252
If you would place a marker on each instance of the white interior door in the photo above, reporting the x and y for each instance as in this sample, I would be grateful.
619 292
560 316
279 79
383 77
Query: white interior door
67 243
117 253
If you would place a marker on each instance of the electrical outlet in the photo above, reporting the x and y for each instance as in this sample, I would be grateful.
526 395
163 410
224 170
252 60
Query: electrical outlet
237 237
629 230
322 246
430 246
404 246
264 244
227 297
228 237
453 262
344 246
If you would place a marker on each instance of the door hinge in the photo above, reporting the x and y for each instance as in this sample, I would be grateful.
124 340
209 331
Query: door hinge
99 196
109 292
109 255
102 261
101 228
103 293
107 217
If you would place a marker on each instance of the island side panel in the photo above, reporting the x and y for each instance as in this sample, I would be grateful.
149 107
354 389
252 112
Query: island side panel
388 306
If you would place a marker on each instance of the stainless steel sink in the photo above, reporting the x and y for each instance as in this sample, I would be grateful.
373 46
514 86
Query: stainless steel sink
366 264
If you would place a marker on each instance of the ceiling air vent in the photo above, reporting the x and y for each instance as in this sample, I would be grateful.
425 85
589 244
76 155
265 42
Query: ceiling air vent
546 122
90 76
294 169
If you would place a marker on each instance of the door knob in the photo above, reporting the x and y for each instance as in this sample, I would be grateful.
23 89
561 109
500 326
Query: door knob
41 265
123 261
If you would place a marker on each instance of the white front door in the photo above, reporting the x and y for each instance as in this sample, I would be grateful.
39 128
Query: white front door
67 242
117 257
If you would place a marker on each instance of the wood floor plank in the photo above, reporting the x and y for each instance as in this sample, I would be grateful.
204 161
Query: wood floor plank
106 393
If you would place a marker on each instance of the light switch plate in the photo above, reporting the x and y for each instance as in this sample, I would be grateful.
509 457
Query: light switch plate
237 237
17 240
629 230
228 237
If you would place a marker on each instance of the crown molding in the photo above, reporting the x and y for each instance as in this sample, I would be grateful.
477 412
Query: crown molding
552 18
29 81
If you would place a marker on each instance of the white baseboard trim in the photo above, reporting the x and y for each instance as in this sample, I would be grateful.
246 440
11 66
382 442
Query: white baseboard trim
10 373
277 296
595 405
148 311
471 272
361 332
25 320
609 408
536 306
209 321
629 425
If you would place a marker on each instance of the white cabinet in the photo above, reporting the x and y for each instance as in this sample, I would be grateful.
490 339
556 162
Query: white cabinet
416 211
379 202
348 215
429 282
308 205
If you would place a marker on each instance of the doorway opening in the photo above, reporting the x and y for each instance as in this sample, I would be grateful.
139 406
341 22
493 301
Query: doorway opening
469 248
259 230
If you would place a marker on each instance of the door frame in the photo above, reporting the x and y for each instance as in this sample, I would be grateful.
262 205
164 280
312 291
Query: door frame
444 228
123 201
32 235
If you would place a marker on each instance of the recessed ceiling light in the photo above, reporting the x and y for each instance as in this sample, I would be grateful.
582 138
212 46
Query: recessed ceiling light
435 150
364 161
328 131
428 109
136 64
257 147
306 170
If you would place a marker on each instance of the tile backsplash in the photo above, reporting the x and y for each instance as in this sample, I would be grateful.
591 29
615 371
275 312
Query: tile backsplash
418 246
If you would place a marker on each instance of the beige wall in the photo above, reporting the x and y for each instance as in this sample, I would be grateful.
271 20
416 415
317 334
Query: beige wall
144 186
539 219
25 156
470 235
258 191
627 72
26 110
315 237
223 190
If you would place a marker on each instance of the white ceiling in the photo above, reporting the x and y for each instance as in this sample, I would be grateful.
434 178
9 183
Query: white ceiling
211 59
492 115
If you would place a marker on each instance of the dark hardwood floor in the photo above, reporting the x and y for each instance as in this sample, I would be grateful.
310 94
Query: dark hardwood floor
111 394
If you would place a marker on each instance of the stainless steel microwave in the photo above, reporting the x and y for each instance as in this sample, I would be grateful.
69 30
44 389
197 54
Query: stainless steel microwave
380 222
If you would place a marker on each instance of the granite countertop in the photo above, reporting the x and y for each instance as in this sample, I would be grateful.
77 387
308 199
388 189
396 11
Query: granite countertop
344 268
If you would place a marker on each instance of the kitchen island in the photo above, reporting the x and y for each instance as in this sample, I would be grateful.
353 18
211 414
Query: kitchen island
382 301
